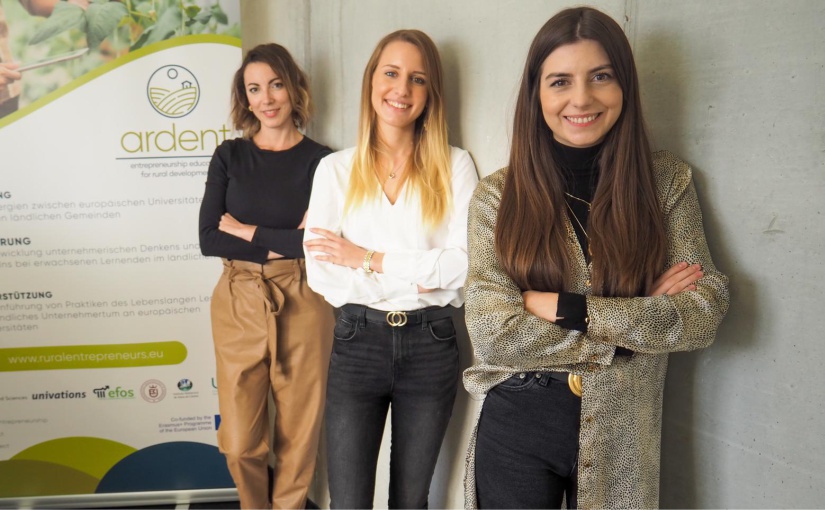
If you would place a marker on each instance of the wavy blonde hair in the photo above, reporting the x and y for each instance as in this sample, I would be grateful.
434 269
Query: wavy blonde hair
429 168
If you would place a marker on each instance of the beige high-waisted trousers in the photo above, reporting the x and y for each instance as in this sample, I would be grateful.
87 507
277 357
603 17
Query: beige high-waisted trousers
271 333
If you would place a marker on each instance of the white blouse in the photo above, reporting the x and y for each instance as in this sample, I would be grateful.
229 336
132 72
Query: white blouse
434 258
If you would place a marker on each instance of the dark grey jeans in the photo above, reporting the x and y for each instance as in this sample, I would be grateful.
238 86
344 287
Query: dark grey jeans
412 369
528 443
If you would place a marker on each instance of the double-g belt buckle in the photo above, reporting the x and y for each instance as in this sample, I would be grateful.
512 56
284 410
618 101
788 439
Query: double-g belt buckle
397 319
575 383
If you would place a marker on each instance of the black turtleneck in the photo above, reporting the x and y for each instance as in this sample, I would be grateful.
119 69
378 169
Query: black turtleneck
582 174
581 171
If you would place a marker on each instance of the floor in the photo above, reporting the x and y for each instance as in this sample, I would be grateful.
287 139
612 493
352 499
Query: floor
233 505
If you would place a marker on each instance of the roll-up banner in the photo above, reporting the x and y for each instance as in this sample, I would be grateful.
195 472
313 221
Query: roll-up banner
107 388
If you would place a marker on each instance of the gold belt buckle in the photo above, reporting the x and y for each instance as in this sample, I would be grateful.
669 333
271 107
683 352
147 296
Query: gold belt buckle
575 383
397 319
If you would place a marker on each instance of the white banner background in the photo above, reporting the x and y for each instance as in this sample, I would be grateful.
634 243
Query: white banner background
148 284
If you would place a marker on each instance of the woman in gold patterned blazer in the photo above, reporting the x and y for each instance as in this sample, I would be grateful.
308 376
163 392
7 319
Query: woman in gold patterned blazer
571 307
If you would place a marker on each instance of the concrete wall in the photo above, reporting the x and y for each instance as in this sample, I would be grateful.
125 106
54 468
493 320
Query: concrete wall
737 89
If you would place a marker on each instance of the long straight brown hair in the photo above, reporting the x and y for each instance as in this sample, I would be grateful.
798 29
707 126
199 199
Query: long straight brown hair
626 226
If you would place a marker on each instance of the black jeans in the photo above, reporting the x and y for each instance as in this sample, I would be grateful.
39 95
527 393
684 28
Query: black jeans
528 443
415 370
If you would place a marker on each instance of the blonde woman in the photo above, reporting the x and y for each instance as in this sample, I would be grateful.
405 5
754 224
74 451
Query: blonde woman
271 331
386 243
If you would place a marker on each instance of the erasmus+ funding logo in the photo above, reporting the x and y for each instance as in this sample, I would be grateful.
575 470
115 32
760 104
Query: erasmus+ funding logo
173 91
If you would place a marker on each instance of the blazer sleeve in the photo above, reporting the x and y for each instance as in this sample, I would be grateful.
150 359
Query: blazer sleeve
682 322
501 330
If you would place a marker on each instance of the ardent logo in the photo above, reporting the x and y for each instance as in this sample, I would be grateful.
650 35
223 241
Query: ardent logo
173 91
153 391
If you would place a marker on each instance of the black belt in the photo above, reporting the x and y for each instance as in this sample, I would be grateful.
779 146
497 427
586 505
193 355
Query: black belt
574 382
399 318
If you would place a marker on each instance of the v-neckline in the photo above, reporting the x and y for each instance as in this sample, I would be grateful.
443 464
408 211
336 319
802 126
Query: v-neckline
401 193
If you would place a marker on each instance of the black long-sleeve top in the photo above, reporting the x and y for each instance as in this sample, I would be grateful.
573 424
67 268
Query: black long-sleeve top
582 172
581 167
268 189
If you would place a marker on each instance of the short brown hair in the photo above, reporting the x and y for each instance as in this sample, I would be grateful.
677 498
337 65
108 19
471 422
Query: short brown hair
295 81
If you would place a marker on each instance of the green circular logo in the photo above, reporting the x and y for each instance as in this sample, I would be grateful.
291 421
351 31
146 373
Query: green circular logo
173 91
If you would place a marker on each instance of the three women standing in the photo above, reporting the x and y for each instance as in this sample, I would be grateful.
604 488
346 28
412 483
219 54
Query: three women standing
272 333
386 243
569 307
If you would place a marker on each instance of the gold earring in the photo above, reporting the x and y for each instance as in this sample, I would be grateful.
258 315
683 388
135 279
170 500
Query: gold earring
250 108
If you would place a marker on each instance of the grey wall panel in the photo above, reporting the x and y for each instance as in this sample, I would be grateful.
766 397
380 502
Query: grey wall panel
736 89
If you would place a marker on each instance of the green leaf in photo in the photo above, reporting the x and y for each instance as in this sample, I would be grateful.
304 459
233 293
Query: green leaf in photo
142 39
168 22
64 17
102 19
219 15
204 17
191 11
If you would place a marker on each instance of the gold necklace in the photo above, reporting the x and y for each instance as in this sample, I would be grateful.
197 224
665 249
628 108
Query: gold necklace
589 251
579 199
392 174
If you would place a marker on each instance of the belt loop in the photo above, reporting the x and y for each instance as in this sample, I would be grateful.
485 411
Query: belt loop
422 315
363 316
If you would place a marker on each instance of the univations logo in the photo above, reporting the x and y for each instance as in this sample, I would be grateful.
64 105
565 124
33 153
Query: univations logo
173 91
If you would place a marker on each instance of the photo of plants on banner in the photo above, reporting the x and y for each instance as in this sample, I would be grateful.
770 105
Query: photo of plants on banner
45 44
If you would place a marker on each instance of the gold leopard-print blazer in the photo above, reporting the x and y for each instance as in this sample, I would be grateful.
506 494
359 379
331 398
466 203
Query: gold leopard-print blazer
621 413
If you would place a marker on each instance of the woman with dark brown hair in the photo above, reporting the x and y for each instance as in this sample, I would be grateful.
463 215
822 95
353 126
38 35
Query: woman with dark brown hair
570 306
272 333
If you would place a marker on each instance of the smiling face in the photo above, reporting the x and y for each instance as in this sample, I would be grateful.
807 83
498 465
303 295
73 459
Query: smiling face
268 97
399 87
580 97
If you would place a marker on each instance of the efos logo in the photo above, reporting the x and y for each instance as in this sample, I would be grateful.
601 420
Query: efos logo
114 394
173 91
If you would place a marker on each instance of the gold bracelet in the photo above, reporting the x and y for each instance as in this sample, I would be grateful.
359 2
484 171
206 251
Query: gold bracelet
367 260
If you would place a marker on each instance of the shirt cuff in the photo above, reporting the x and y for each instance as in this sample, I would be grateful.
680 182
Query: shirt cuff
573 307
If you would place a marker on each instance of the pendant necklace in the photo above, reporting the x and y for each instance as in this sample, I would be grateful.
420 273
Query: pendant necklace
392 175
589 252
585 202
